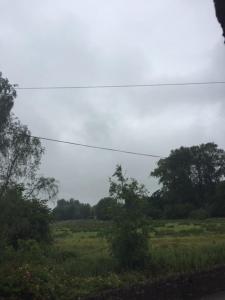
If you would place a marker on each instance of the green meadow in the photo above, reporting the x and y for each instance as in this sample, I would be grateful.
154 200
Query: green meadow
78 263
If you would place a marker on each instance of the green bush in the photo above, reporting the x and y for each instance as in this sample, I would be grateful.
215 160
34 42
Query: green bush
129 235
129 245
24 273
22 219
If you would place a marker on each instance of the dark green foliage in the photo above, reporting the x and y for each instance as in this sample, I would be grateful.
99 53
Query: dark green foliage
217 204
177 211
129 236
129 244
154 205
25 273
22 219
105 208
190 178
71 210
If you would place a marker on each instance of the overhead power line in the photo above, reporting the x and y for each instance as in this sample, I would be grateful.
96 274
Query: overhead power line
96 147
120 85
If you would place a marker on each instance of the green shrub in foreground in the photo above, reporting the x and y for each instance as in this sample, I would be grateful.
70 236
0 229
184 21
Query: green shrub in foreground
128 239
22 219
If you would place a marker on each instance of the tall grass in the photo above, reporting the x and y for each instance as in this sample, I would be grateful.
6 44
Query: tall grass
181 259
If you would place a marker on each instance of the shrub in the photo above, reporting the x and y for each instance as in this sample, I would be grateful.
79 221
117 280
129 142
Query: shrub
22 219
129 236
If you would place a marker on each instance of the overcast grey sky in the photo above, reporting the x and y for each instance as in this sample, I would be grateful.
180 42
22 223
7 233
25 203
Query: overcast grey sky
88 42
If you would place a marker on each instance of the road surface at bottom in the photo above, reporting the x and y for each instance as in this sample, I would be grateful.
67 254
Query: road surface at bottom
219 296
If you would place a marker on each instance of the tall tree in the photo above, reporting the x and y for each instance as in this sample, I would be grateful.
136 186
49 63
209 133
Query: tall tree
20 153
22 214
191 174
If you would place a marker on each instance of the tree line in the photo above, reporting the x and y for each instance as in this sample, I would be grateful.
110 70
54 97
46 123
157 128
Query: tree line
192 181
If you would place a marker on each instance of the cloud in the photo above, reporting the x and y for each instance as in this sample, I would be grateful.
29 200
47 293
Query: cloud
87 43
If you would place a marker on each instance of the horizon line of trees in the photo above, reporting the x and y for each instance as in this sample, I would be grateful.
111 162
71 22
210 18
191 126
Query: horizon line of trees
193 186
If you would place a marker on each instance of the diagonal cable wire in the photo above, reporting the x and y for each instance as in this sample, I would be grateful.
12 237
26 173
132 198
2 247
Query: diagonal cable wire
96 147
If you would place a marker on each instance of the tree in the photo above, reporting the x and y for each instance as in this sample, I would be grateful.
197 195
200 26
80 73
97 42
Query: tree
22 214
60 211
105 208
44 187
155 205
85 210
129 237
21 156
190 175
20 153
217 204
71 210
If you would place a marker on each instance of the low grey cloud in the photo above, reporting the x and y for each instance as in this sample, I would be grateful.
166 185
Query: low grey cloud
100 42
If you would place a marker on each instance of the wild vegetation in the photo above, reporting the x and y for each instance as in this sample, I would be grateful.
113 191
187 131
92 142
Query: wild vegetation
78 262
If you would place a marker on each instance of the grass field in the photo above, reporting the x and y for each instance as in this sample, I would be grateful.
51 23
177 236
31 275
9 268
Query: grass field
78 262
176 247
